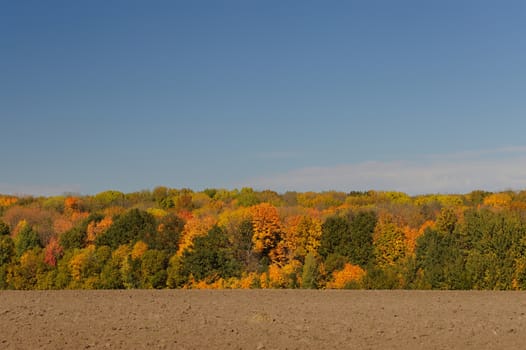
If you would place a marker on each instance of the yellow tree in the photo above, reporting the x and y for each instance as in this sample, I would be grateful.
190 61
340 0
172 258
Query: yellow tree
389 242
78 263
285 276
302 235
348 277
25 274
308 235
194 227
267 228
498 200
230 220
121 258
86 265
138 250
6 201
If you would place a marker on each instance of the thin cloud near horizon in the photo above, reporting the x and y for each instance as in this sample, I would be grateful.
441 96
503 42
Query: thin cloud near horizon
492 170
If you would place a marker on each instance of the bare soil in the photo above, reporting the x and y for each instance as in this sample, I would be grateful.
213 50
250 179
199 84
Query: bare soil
262 319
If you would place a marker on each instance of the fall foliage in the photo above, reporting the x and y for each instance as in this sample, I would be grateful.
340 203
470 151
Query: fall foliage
218 238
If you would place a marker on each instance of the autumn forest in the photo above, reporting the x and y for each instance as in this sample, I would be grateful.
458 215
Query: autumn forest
216 238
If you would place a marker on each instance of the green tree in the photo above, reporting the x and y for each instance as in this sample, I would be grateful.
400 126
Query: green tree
159 194
497 241
335 236
4 229
309 274
167 235
210 192
75 238
247 197
130 227
153 267
439 256
131 273
334 262
477 197
86 265
7 250
446 221
242 245
211 257
110 276
387 277
175 273
26 239
25 274
108 198
63 274
7 255
344 241
359 248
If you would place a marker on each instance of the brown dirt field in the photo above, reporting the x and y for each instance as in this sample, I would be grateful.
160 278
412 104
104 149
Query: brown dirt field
262 319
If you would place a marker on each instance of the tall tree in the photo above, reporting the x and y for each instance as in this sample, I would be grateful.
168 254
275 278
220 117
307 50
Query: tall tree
127 228
360 245
26 239
266 225
335 234
210 258
389 242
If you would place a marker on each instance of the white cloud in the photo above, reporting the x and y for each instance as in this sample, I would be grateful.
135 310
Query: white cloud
38 190
493 170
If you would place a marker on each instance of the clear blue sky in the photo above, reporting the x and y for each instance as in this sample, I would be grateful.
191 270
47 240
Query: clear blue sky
418 96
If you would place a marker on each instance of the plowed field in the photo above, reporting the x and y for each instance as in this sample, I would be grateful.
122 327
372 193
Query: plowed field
262 319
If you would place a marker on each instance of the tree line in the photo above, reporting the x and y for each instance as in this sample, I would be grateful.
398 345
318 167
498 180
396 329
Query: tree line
217 238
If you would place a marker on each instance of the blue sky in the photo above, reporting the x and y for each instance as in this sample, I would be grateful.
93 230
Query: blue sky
417 96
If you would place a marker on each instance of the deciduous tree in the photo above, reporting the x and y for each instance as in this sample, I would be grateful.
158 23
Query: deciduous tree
266 225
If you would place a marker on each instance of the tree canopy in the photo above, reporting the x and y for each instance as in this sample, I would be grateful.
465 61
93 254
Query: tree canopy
219 238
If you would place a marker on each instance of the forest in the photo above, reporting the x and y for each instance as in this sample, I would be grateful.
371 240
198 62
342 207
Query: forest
218 238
